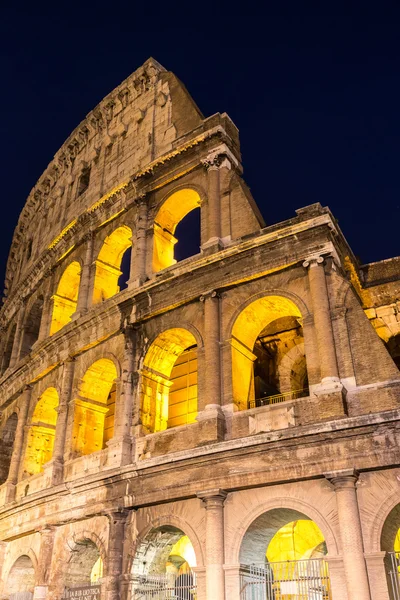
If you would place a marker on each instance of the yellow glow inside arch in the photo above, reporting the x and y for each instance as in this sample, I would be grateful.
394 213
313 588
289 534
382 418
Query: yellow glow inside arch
41 432
94 408
397 542
247 327
169 394
297 540
184 548
66 297
108 263
173 210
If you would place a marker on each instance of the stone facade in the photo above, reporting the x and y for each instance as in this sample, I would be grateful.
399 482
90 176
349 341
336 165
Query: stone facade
285 402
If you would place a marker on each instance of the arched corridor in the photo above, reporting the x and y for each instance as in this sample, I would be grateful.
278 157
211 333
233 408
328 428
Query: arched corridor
66 297
39 449
21 579
268 358
169 381
108 264
85 566
390 543
7 437
31 327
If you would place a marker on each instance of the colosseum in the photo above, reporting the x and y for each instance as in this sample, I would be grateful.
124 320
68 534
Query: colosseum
194 405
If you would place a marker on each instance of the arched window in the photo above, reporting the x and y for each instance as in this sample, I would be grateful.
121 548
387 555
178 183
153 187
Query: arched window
7 437
85 566
108 264
8 349
169 382
66 297
21 579
39 449
268 359
32 327
94 408
172 212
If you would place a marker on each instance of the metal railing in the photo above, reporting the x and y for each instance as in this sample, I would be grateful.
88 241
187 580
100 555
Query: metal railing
277 398
165 587
394 574
289 580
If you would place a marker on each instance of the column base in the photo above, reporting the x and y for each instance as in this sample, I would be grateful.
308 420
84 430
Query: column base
136 282
57 475
40 592
212 423
212 245
119 452
330 396
10 490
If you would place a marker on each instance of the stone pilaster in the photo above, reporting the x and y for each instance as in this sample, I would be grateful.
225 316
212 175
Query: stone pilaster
214 163
86 283
138 258
44 563
344 483
212 358
16 457
18 336
115 552
215 552
378 575
62 418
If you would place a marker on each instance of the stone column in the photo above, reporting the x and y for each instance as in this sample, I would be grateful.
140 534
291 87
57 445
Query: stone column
3 549
85 286
44 563
344 483
215 551
124 404
322 319
139 246
62 418
47 311
212 358
17 337
377 575
16 457
115 553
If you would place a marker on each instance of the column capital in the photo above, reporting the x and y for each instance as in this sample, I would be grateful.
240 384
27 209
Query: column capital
118 514
209 294
343 479
89 236
212 498
46 530
313 261
220 157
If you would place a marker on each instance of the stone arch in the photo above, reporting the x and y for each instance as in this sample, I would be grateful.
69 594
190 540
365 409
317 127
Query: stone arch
261 331
31 326
65 299
291 508
171 211
377 534
108 263
94 408
21 576
8 348
40 442
169 397
293 366
7 436
86 550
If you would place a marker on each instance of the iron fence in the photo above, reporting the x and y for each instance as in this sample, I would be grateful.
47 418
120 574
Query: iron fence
289 580
277 398
165 587
394 574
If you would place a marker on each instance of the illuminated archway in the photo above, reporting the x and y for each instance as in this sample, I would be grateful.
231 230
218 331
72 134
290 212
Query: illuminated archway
39 449
85 566
169 381
94 408
21 579
7 437
66 297
268 357
390 543
173 210
166 556
108 263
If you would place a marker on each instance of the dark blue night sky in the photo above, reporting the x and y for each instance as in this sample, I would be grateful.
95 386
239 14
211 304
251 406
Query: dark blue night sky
316 97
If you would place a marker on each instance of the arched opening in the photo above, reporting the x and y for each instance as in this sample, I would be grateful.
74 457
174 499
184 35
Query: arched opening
7 438
390 543
282 553
94 408
125 269
39 448
393 347
8 349
169 381
268 358
85 566
108 264
172 212
162 566
21 579
32 327
66 297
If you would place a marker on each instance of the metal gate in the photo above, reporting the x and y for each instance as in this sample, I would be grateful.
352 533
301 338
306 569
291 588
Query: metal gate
290 580
165 587
394 574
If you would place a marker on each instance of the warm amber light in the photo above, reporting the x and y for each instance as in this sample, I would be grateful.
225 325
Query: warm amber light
97 571
169 394
41 433
66 297
94 408
298 540
108 264
174 209
184 549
